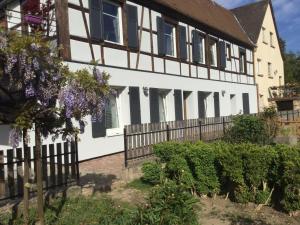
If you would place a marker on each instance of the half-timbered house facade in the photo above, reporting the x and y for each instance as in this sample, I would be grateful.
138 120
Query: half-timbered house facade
168 60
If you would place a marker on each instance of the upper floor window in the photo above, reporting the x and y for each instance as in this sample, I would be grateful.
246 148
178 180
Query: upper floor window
271 39
270 69
198 47
213 52
111 22
228 51
170 39
259 67
243 62
264 35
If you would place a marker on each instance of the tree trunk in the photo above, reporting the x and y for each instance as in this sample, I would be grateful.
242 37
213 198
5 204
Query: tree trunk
26 178
39 176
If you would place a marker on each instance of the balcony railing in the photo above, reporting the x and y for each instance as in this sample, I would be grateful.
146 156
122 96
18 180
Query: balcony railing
281 93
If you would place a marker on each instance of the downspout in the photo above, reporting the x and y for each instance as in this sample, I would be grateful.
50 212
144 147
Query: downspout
254 75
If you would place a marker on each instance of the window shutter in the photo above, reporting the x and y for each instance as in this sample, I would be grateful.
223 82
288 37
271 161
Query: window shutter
96 19
99 127
178 105
182 44
223 60
154 105
132 26
135 106
246 106
201 105
196 46
161 36
217 104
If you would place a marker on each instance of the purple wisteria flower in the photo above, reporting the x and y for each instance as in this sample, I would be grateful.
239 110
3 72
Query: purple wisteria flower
15 137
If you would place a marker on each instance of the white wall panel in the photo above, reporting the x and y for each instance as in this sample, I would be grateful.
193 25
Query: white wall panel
172 67
115 57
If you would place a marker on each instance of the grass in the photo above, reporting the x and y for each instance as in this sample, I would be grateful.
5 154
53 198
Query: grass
83 211
139 184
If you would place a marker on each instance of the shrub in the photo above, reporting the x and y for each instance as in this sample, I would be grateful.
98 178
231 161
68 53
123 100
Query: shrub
168 204
152 172
247 128
202 158
262 196
165 151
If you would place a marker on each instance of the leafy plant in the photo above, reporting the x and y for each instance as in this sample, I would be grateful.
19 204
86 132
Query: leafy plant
152 172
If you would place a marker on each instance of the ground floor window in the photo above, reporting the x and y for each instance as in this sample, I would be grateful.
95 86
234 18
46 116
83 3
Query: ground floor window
202 104
158 107
246 105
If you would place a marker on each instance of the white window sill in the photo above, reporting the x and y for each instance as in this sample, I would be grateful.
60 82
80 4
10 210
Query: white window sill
114 132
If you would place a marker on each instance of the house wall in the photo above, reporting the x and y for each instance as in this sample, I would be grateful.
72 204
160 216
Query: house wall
153 71
267 53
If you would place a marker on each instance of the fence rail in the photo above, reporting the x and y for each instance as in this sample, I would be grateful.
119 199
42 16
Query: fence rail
139 139
59 168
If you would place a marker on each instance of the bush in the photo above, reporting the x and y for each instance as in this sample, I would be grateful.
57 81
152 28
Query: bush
152 172
247 128
202 160
168 204
247 172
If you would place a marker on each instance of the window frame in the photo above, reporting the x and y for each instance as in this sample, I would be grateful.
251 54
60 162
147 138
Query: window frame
270 70
118 130
272 39
242 53
228 51
163 94
174 38
120 18
259 63
264 35
216 57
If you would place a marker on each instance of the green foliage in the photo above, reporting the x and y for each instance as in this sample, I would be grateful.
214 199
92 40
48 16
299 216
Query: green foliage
168 204
292 68
245 171
152 173
247 128
140 184
202 158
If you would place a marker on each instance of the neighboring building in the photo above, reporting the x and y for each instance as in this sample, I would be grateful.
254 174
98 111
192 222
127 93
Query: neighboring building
259 22
168 60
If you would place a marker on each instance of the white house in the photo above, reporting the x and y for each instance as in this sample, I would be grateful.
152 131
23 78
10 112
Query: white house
168 60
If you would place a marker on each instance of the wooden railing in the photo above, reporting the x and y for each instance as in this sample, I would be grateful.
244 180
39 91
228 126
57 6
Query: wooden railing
139 139
59 167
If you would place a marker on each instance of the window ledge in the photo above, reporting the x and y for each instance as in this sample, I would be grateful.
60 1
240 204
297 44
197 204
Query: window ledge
265 42
272 46
270 77
114 132
260 75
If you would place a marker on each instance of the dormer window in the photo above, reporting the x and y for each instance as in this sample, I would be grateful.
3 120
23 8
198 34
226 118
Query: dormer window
111 22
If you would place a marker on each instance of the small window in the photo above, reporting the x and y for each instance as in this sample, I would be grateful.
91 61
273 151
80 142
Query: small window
201 48
264 35
228 52
111 113
270 69
170 39
111 21
259 67
213 52
271 39
243 62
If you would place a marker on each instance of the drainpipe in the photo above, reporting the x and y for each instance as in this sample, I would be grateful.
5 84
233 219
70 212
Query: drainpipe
254 73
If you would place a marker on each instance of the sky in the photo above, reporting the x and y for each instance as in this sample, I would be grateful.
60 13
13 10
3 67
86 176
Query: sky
287 13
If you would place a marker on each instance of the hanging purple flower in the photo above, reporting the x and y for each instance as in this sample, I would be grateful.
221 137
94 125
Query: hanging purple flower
15 136
35 64
29 91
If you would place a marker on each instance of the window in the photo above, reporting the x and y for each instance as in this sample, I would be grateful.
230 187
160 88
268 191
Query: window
158 109
111 22
198 47
202 103
135 105
217 104
213 52
271 39
264 35
228 51
170 39
246 105
259 67
270 69
111 113
242 61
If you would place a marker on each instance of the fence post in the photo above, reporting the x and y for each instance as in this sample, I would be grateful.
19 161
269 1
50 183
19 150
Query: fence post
223 123
200 130
125 147
77 160
168 132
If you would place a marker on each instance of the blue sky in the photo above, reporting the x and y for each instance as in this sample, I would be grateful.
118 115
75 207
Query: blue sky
287 14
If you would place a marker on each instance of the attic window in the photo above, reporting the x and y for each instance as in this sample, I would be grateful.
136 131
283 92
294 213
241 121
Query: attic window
271 39
264 35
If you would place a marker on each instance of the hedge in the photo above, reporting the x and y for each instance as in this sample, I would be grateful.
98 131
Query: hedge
245 172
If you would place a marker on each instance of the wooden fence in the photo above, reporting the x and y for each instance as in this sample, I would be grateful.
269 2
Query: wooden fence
139 139
59 168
